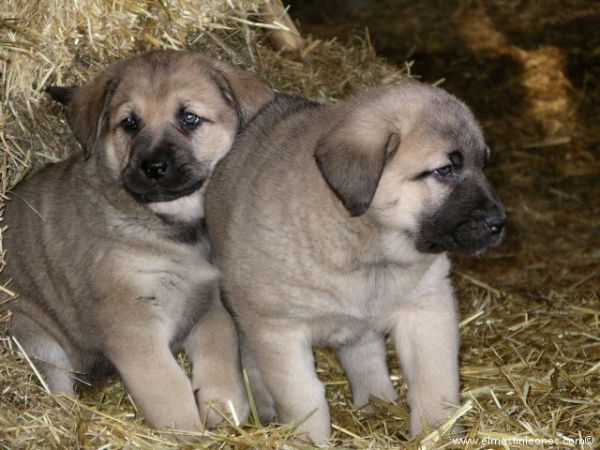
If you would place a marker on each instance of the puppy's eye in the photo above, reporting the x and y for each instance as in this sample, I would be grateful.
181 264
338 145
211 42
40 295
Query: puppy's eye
129 123
443 172
190 120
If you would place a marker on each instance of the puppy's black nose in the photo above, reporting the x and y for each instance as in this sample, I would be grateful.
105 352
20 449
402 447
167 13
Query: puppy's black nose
496 224
155 168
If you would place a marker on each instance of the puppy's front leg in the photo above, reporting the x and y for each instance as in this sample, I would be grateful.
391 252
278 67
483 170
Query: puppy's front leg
161 391
426 335
365 364
286 363
216 370
261 395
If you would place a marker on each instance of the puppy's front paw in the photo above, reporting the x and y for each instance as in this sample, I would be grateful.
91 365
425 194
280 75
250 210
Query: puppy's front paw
215 404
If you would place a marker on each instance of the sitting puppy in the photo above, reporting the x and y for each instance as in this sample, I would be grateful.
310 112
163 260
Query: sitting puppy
108 252
331 229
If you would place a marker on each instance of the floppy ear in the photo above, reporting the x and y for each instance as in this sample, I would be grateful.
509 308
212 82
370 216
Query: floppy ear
87 107
352 159
244 90
62 94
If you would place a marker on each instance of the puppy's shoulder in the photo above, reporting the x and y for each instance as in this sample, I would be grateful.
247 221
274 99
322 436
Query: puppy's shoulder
44 189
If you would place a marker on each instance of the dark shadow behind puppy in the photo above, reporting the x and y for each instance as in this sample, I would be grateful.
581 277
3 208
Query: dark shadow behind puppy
107 250
331 226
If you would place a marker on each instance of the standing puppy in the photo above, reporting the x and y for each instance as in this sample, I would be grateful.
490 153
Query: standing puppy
107 249
330 226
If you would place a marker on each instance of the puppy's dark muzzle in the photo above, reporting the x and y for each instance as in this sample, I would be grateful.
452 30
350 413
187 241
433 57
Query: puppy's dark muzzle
472 220
163 174
483 228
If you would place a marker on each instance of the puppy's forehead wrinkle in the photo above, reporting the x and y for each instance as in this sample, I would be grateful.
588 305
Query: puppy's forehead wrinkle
460 135
167 86
457 157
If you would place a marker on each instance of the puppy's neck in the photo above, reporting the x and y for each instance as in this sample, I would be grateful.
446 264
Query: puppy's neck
370 243
188 209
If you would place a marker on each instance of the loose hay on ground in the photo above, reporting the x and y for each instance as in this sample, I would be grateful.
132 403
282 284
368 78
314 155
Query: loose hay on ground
530 357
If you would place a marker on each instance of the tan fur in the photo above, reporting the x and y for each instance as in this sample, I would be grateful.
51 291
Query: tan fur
109 279
317 224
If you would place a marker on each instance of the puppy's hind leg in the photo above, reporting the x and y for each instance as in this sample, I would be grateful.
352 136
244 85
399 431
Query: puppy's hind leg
217 380
45 352
365 364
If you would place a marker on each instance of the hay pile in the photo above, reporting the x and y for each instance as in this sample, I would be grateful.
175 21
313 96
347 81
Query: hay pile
530 366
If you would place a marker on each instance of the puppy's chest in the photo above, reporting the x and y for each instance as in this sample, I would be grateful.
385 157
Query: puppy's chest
173 282
358 302
376 290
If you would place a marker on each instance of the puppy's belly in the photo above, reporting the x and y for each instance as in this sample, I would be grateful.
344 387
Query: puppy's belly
336 331
336 309
329 318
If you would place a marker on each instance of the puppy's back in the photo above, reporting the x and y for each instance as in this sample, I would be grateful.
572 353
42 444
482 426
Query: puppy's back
263 149
45 270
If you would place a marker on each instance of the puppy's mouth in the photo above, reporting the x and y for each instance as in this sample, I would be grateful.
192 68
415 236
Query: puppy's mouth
158 193
162 179
467 238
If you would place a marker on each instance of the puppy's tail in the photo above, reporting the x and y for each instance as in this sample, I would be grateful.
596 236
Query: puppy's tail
62 94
